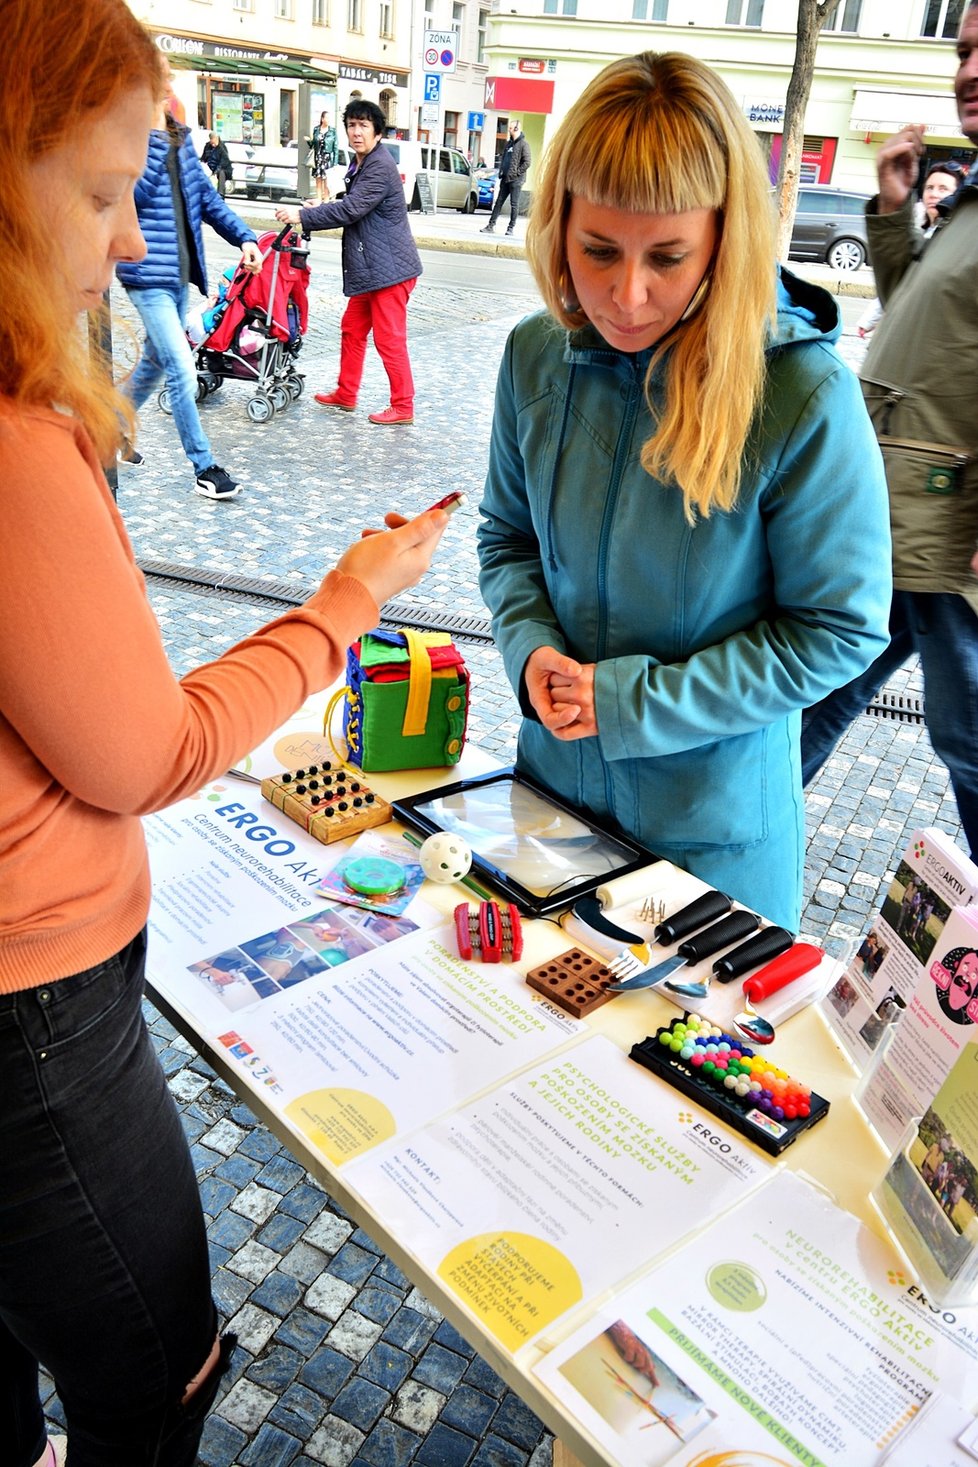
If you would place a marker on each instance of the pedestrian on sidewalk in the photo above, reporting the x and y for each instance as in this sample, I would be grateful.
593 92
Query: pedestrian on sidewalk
381 265
513 167
216 157
684 522
104 1267
918 381
173 197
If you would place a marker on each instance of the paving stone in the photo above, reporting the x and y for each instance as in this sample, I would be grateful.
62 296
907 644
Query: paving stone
376 1303
446 1334
237 1169
329 1295
254 1327
326 1372
417 1406
388 1445
302 1331
410 1330
361 1402
254 1262
303 1262
298 1411
215 1195
255 1202
229 1290
246 1405
386 1366
336 1443
281 1232
354 1335
281 1173
516 1422
304 1201
328 1232
353 1264
495 1452
276 1369
440 1368
258 1144
231 1230
272 1447
470 1411
220 1443
225 1137
279 1293
444 1447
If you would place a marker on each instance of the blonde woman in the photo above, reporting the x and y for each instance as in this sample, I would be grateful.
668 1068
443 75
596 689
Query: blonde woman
685 536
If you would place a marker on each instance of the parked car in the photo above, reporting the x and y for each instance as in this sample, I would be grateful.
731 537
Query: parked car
456 186
830 226
273 173
487 180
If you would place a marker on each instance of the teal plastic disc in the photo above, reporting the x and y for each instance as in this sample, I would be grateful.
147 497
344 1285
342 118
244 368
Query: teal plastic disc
373 876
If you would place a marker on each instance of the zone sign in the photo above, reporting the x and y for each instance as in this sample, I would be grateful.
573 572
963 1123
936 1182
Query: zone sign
440 50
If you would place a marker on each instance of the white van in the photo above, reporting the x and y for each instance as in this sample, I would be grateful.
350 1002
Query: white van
455 187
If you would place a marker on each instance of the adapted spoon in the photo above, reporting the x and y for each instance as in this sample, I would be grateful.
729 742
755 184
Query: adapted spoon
767 943
799 959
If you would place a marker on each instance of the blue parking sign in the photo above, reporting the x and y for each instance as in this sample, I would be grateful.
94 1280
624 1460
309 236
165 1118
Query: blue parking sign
432 88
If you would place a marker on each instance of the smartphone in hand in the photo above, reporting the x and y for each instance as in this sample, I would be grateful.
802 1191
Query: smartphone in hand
450 503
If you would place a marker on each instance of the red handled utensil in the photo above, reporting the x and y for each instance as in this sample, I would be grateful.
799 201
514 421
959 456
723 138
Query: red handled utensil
799 959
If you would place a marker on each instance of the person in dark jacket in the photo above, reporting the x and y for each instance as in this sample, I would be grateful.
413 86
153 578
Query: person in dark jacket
513 168
173 197
215 156
380 265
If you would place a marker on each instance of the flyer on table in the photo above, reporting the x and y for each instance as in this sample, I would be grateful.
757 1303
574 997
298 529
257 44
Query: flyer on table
556 1186
869 1000
359 1025
786 1334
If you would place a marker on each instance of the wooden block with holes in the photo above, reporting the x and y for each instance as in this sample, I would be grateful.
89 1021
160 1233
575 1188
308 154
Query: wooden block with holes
574 981
330 803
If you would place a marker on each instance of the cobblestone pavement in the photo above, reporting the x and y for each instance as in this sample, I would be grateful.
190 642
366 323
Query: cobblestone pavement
340 1360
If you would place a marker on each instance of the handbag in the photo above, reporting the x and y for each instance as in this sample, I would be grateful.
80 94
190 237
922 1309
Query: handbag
406 701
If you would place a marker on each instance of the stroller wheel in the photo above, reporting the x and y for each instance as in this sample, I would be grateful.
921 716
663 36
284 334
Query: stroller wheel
200 391
295 385
210 380
280 395
260 408
164 402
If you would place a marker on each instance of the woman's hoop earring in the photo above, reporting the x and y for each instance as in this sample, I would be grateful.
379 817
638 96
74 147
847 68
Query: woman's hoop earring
565 291
698 296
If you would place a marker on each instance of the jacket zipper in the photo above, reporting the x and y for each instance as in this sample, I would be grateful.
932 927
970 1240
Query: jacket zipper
611 504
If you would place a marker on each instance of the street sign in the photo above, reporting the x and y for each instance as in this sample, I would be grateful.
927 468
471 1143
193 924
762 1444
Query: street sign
432 89
476 122
429 114
440 50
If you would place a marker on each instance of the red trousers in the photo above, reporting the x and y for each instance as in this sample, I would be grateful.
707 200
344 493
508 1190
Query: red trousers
385 313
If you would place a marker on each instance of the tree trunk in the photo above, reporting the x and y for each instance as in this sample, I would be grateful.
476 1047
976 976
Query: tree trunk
812 15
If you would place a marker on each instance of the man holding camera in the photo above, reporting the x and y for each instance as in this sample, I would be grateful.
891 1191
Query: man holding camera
919 384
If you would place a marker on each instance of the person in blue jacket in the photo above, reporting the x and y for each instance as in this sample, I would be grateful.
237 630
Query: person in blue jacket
685 535
173 197
381 265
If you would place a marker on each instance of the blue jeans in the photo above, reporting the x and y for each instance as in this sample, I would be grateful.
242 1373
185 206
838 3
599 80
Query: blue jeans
943 630
104 1270
167 353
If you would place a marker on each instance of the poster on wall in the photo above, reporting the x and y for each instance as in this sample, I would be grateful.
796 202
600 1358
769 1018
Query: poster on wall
240 117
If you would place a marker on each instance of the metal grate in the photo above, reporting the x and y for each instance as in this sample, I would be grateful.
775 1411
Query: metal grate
901 707
283 593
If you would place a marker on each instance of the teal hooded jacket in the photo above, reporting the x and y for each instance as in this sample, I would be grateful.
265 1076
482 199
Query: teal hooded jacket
708 639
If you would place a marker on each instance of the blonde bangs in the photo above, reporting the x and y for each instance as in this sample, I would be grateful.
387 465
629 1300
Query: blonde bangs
657 163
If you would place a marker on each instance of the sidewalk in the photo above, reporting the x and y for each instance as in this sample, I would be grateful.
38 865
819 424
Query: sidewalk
340 1361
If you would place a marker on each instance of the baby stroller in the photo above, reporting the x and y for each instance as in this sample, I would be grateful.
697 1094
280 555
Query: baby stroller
257 333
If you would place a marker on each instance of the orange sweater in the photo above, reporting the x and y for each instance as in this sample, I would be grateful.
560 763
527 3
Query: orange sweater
95 730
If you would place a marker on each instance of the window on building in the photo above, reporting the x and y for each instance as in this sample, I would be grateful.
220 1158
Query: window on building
387 19
451 129
650 10
244 4
458 16
320 12
388 105
560 7
845 17
754 16
354 15
942 18
284 10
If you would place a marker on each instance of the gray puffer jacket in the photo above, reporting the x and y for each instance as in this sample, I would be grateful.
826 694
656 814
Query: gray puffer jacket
378 246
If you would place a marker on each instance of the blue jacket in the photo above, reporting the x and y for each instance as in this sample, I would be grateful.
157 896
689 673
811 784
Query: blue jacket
708 639
378 246
160 270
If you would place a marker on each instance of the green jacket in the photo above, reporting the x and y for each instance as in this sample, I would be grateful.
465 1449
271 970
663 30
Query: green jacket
920 382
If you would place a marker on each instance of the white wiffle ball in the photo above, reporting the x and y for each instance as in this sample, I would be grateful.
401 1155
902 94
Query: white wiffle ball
445 858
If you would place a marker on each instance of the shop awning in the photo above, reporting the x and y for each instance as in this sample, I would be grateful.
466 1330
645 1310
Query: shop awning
876 110
254 66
